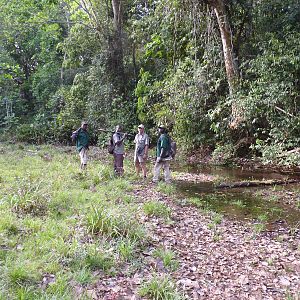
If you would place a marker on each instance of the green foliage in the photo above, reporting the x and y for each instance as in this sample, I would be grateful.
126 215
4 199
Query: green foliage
126 249
96 260
160 288
223 154
61 64
166 188
29 197
168 258
115 222
157 209
276 153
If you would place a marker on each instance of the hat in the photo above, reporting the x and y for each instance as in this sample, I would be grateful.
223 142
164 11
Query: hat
141 126
162 126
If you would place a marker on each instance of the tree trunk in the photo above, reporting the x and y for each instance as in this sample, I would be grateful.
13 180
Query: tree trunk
226 36
116 44
237 111
118 14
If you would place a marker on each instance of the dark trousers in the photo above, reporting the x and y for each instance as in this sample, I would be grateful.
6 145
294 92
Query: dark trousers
118 164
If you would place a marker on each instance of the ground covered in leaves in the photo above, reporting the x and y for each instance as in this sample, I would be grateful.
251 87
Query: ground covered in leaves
71 235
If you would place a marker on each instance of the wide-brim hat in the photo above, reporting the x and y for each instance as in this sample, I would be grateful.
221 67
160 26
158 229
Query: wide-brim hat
162 126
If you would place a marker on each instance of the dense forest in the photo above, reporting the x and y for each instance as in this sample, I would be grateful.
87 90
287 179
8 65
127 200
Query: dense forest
223 74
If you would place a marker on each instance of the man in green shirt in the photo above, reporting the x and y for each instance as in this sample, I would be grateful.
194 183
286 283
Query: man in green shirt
82 140
163 155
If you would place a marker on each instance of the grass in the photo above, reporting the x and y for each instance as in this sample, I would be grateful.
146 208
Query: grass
126 249
168 258
115 221
157 209
239 203
263 218
166 188
160 288
258 228
59 221
197 202
216 218
78 227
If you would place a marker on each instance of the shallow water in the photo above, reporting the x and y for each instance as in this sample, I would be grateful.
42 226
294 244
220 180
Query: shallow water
239 203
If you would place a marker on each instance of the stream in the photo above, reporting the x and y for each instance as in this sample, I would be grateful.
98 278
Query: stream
254 204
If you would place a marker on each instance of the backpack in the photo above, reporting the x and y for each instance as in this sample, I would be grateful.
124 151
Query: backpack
173 148
75 134
111 145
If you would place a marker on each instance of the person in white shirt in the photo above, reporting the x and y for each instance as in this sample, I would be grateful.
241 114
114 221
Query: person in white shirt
118 141
141 151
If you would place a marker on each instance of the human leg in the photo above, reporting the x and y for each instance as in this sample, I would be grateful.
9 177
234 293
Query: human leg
144 169
118 164
156 171
141 165
83 158
167 172
137 167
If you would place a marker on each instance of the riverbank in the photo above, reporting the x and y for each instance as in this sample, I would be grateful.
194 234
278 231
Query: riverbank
285 163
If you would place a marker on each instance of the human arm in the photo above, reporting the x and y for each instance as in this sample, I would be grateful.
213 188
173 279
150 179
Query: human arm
118 140
146 151
146 148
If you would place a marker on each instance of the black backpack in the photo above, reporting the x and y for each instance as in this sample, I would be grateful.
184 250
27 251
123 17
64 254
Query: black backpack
111 145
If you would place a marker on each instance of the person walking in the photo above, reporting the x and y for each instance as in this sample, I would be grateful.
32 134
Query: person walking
82 139
163 155
141 141
118 140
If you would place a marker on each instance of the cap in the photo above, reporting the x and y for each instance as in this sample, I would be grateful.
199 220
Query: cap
162 126
141 126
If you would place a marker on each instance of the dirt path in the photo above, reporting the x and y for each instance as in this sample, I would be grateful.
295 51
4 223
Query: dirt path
217 260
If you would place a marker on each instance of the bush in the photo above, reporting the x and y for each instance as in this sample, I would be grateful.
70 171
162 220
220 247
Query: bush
223 154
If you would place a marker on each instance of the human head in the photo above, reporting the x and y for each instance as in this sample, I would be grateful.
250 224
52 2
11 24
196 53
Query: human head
84 125
141 128
118 128
161 128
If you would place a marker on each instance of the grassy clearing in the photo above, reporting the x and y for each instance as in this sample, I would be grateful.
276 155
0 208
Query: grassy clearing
58 225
